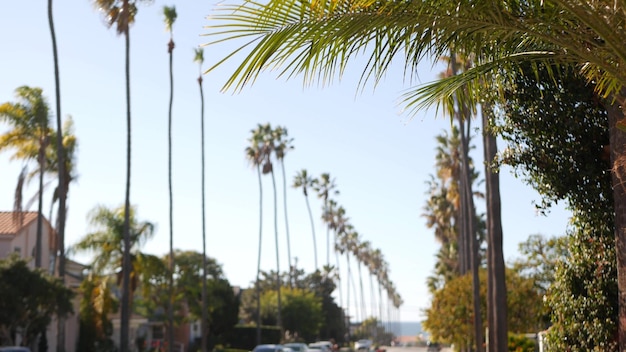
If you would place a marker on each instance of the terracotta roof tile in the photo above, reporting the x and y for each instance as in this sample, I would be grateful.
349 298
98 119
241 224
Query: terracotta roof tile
8 226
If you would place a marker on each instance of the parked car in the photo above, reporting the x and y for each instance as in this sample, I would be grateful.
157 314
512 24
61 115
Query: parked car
363 345
298 347
323 346
14 349
272 348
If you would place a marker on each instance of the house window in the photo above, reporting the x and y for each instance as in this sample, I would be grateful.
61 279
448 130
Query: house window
17 250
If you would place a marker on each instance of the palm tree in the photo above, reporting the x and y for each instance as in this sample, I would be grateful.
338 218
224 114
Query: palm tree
256 154
169 14
361 252
496 285
62 189
65 163
106 241
30 136
199 58
500 34
283 145
462 113
106 244
304 181
122 13
325 187
269 140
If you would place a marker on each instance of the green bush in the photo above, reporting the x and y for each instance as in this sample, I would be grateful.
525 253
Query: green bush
521 343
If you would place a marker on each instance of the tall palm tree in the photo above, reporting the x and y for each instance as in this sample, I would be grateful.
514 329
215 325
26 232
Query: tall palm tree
256 154
269 141
304 181
169 14
462 113
361 252
65 163
283 145
62 189
199 58
30 135
501 35
496 284
325 187
121 13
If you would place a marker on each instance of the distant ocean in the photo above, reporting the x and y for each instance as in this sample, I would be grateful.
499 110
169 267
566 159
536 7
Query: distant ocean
402 328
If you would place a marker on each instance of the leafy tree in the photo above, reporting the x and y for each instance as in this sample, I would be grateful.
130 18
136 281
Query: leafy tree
301 312
321 284
371 329
540 257
557 141
449 319
28 301
223 307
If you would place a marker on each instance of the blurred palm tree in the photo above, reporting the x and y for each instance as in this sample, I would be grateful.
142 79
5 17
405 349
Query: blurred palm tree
199 58
62 181
121 13
325 187
256 154
106 241
283 145
29 136
170 15
304 181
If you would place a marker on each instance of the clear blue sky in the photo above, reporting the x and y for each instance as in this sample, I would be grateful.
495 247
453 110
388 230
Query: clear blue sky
379 157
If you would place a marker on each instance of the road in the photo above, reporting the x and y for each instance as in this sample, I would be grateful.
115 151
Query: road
412 349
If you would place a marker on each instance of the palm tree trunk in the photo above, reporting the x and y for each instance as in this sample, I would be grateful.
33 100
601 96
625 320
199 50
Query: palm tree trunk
363 310
338 277
170 311
42 165
126 265
618 159
203 323
278 284
327 232
258 270
308 206
282 164
467 208
348 294
62 188
471 239
496 284
372 296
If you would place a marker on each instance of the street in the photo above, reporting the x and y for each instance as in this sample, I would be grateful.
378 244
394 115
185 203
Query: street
412 349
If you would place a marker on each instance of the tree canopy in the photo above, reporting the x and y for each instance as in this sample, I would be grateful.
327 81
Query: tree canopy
29 299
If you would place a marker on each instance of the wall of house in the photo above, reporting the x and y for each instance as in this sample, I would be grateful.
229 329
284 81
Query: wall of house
26 240
5 246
